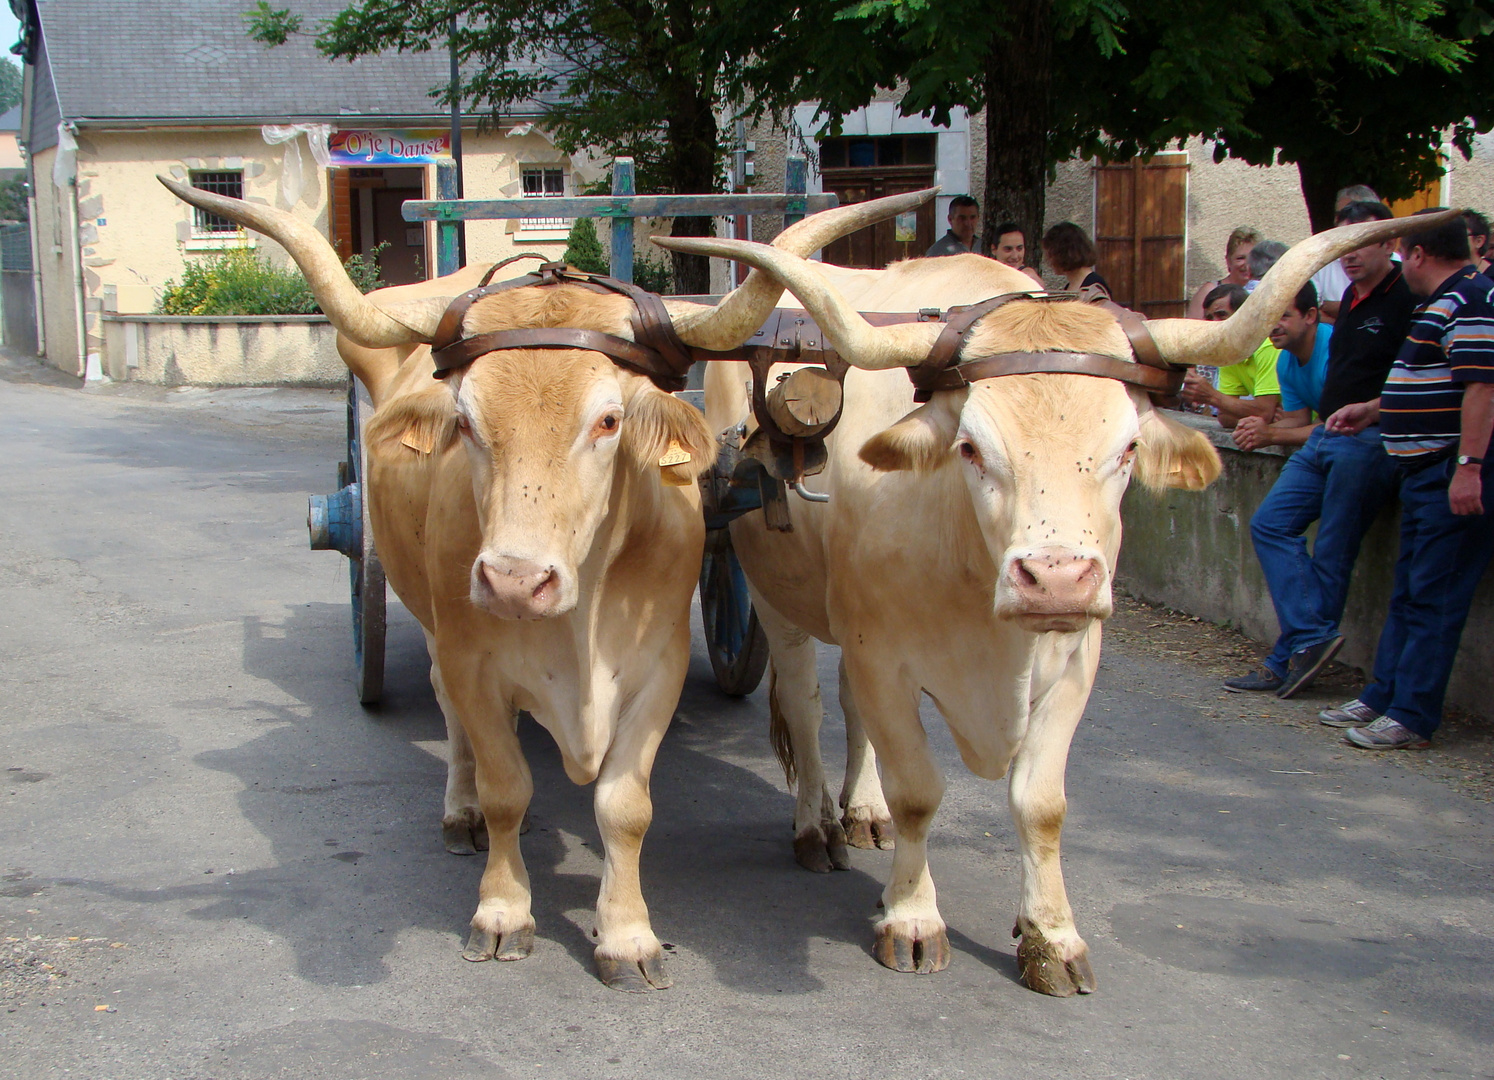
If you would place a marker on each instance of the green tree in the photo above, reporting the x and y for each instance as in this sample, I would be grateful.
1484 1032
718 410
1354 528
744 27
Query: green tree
10 85
583 248
1273 80
645 78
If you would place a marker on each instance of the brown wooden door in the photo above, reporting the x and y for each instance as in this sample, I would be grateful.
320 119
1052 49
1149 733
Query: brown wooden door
874 247
1141 209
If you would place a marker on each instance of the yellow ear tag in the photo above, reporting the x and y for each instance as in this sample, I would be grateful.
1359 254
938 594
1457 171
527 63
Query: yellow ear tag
422 442
675 455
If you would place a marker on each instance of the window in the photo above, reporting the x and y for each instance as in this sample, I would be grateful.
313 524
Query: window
538 183
881 151
228 182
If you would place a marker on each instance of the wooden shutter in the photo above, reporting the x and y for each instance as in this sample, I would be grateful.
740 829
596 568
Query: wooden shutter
1141 211
340 214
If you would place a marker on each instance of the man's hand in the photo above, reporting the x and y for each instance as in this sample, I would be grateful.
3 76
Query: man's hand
1352 419
1252 433
1465 495
1197 390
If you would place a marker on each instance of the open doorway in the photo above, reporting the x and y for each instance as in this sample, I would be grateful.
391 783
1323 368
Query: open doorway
366 213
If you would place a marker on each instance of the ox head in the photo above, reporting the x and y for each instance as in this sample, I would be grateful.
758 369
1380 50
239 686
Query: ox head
549 434
1046 458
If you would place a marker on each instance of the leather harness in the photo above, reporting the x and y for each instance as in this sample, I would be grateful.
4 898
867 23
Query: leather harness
790 336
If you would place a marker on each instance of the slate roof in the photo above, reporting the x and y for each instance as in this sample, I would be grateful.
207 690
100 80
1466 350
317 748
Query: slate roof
159 62
11 119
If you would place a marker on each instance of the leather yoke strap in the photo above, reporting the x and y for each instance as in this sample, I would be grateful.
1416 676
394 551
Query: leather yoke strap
959 321
657 353
621 351
1148 378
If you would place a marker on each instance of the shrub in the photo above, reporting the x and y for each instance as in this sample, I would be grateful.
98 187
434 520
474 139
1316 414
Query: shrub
654 274
240 281
583 248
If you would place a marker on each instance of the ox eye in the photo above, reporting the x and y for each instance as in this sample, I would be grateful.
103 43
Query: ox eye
464 425
969 452
606 425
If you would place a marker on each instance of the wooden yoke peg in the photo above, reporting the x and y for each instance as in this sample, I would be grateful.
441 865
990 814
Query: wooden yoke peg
804 401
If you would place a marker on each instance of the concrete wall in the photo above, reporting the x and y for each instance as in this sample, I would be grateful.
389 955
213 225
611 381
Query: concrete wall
174 350
1192 551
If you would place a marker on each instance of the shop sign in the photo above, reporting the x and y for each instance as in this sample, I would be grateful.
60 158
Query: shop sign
361 146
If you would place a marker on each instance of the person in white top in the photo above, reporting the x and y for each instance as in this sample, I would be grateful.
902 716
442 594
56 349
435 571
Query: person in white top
1331 280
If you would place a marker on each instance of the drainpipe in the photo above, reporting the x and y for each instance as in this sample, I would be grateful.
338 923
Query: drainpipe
85 361
36 274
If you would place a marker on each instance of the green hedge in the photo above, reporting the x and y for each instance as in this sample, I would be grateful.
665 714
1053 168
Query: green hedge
240 281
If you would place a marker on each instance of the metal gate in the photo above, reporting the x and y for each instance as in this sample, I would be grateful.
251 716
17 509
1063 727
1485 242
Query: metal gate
17 295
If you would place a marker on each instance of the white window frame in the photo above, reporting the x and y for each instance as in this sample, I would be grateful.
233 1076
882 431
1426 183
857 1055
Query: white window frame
205 238
545 225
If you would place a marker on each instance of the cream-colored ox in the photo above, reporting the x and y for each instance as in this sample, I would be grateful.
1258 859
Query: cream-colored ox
523 515
966 552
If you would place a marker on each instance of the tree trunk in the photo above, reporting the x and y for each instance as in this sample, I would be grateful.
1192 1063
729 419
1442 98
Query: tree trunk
1320 186
1018 80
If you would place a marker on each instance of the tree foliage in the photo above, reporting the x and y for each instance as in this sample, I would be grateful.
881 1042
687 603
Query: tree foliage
10 85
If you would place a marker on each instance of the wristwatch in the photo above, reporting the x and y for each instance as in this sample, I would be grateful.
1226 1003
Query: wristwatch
1466 459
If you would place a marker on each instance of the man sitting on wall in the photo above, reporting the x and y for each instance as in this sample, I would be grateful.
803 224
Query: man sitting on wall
1339 480
964 219
1248 388
1437 410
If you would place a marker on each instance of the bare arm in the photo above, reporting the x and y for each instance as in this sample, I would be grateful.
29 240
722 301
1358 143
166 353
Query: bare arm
1199 391
1291 430
1465 493
1352 419
1328 311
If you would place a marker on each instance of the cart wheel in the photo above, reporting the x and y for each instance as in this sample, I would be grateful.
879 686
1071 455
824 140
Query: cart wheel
365 571
736 643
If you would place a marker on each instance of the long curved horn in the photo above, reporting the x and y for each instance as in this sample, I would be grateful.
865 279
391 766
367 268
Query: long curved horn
743 310
1193 341
864 345
348 309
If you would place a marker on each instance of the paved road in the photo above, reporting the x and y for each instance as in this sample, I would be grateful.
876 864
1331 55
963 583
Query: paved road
234 871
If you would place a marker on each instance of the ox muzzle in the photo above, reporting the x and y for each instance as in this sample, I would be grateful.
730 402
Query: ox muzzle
1053 588
517 588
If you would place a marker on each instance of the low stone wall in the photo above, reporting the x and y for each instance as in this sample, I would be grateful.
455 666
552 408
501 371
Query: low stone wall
1192 551
229 350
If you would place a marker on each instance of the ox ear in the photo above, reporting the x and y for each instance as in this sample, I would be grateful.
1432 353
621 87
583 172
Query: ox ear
424 423
659 424
1170 455
919 442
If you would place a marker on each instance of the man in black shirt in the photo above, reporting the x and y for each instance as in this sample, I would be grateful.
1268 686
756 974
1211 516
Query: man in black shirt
1340 481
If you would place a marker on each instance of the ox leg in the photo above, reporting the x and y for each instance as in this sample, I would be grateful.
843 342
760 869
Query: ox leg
866 819
911 934
628 955
463 830
1052 957
502 926
794 703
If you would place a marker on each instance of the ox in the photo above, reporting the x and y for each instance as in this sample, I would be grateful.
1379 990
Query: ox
526 515
966 552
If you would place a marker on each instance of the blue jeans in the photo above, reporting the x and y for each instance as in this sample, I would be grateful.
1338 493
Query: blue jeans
1340 481
1442 558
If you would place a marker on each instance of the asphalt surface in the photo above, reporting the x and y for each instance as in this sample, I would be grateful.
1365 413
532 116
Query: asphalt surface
217 864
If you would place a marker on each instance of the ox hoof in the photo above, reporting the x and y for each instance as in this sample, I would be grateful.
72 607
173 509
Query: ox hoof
918 945
822 848
1044 968
866 831
499 944
465 833
633 975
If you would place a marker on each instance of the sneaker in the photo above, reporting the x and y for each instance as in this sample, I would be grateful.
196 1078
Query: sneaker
1350 714
1305 665
1264 679
1385 734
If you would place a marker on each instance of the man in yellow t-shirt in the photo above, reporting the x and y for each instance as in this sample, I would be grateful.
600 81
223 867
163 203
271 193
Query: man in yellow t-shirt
1249 388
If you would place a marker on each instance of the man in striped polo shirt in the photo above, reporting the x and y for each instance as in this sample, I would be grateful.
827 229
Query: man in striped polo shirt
1436 413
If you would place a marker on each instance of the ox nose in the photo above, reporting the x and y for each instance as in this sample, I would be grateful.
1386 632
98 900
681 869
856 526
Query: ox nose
1054 582
517 588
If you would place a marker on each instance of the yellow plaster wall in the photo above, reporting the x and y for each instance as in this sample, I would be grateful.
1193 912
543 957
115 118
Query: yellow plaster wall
57 265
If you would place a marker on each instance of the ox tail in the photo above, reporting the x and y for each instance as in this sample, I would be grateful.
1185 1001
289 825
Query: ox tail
778 731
